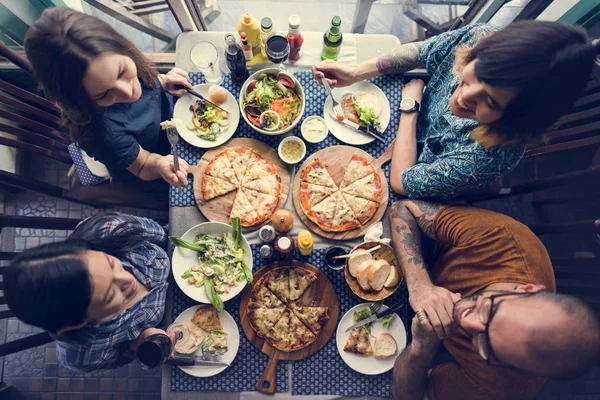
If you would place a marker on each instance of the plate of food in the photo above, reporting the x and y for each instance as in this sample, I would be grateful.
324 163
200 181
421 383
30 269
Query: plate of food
371 349
272 101
212 262
209 333
364 104
200 123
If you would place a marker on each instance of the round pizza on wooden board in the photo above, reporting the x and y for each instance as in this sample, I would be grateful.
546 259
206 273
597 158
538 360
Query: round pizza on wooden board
258 190
320 293
345 175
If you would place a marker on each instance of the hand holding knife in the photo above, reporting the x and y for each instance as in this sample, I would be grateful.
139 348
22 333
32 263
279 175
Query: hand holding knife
198 95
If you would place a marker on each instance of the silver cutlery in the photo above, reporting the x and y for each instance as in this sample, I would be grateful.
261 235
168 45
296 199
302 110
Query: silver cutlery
173 137
337 108
356 127
374 317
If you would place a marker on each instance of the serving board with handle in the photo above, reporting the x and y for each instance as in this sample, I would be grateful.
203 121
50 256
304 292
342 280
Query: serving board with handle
335 159
320 294
219 208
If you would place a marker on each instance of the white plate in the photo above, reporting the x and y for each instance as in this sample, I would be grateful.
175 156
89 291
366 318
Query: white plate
369 365
344 133
183 259
233 343
183 114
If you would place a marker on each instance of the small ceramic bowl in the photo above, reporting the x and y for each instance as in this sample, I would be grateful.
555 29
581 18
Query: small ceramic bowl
310 139
286 142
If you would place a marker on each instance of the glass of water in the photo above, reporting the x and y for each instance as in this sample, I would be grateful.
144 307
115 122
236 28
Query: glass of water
205 57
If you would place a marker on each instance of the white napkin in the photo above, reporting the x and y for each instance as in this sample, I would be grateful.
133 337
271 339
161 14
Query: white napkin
374 234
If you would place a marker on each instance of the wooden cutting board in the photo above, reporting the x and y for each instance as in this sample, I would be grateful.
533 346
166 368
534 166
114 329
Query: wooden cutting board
335 159
319 294
219 208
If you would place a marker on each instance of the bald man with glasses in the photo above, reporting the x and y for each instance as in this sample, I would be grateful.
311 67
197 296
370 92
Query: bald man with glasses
483 287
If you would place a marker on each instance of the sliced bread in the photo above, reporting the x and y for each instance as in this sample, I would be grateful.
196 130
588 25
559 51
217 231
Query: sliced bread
355 261
362 277
385 346
377 274
393 278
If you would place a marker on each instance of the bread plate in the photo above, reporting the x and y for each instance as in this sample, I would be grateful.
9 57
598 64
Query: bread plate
233 343
369 365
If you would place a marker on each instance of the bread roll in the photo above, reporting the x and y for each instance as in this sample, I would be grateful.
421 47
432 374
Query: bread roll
393 278
362 277
355 261
385 346
377 274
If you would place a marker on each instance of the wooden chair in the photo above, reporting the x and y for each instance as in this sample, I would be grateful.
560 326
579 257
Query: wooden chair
35 126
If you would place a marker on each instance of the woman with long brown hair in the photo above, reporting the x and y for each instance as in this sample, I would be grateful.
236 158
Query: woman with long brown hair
112 98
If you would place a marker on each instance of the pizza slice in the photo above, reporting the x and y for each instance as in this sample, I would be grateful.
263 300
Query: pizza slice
239 158
281 335
368 188
243 208
220 167
301 335
300 280
343 219
357 168
259 168
214 187
358 342
263 298
313 317
264 204
322 214
315 172
277 281
270 184
263 320
312 194
363 209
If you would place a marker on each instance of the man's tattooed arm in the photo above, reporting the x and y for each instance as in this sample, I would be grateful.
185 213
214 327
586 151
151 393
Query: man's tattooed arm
402 59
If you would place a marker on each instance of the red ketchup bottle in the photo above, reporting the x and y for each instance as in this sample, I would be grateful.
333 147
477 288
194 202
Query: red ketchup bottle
295 38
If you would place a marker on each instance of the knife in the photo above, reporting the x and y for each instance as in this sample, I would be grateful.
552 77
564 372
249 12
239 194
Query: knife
198 95
194 361
358 128
373 318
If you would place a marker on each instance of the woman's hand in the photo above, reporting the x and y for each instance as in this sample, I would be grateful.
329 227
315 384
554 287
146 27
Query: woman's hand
166 168
438 304
337 74
173 77
414 89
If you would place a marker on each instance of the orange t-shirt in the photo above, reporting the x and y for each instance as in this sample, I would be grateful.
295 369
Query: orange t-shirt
481 247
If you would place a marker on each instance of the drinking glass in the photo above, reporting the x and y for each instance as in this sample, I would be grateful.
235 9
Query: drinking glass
278 49
205 57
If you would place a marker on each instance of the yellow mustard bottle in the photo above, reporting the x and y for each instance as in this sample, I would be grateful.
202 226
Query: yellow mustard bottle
305 242
249 24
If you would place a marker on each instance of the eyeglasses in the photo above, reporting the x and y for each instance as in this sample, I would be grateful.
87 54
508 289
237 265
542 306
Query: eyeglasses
486 313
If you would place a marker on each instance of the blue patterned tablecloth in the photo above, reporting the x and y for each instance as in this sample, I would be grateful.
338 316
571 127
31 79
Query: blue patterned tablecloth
315 99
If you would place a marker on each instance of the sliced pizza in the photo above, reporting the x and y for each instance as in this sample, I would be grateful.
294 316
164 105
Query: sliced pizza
300 280
264 204
259 168
313 317
270 184
322 214
315 172
220 167
214 187
302 336
368 188
363 209
358 342
277 281
240 158
281 335
357 168
243 208
343 219
263 320
312 194
263 298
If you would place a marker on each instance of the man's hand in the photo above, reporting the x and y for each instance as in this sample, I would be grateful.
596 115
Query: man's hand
423 341
438 304
337 74
166 167
414 89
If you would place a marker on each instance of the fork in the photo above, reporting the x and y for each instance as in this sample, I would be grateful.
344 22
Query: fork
173 137
375 307
337 108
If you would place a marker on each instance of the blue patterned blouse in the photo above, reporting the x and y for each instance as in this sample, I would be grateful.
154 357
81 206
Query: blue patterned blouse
106 345
451 164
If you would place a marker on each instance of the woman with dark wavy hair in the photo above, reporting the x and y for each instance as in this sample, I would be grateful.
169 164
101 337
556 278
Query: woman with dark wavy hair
99 293
491 93
111 97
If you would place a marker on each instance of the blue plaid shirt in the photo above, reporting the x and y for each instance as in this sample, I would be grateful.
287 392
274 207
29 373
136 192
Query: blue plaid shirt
106 345
451 164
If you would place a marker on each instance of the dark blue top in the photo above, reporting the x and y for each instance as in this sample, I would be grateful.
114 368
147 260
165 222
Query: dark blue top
116 139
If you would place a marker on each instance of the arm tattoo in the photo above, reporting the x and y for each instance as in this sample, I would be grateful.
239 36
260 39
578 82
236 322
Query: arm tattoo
425 220
408 234
402 59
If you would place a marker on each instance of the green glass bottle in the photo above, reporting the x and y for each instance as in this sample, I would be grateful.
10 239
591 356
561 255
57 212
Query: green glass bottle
332 40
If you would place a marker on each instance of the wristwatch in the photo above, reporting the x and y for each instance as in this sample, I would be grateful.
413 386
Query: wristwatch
408 104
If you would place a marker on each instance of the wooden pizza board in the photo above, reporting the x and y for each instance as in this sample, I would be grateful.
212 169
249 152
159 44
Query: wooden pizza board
319 294
219 208
335 159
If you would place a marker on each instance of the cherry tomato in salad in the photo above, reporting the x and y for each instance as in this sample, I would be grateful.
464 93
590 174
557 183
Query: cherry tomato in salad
253 120
340 117
251 86
286 81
